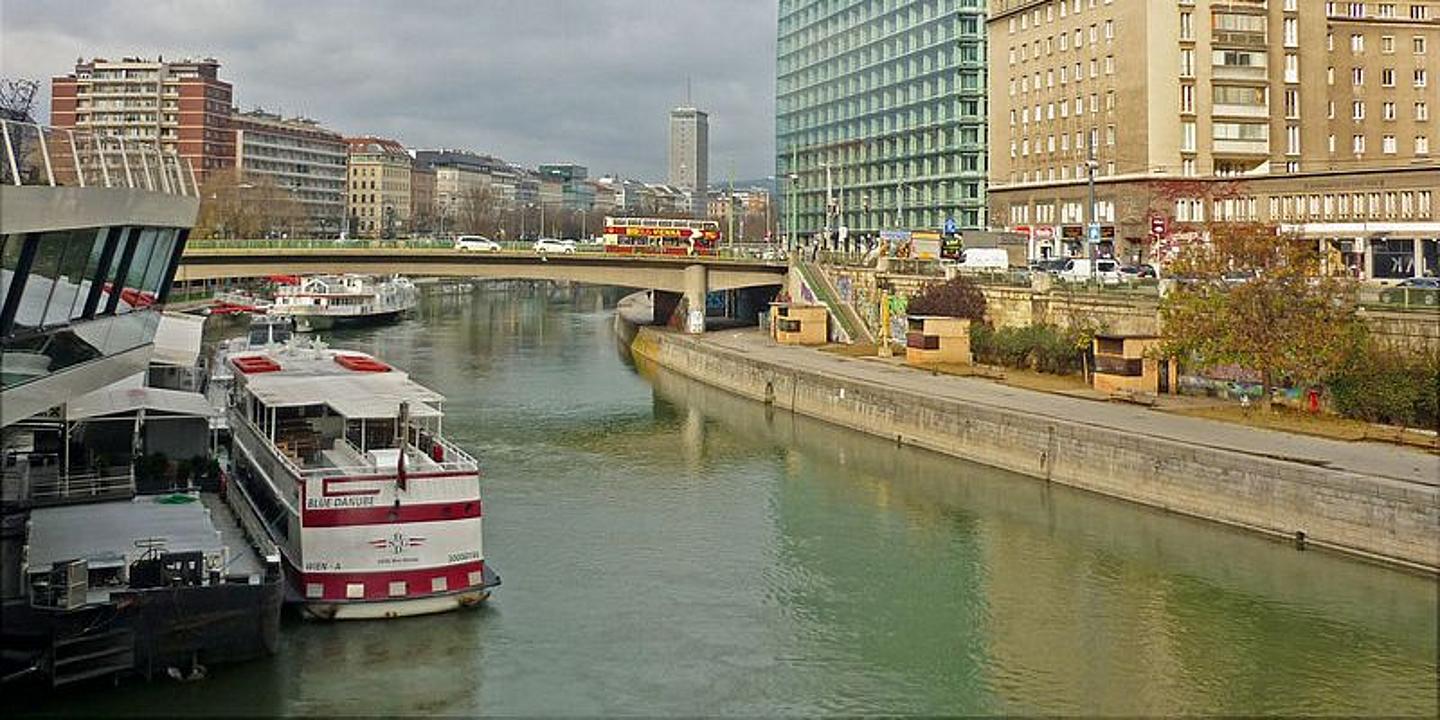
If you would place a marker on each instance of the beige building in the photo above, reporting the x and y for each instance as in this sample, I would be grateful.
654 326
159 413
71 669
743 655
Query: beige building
379 187
1192 111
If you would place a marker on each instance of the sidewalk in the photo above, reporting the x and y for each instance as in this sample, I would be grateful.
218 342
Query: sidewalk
1363 458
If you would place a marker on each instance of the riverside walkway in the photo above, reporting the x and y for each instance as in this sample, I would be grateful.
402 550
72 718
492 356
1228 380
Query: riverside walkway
1381 460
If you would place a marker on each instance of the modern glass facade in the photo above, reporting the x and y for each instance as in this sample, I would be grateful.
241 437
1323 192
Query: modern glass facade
69 297
887 98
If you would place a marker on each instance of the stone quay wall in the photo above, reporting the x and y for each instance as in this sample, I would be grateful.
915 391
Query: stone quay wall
1375 517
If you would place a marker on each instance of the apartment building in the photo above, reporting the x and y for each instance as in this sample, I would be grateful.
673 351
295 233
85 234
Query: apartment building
183 106
300 156
1195 111
880 114
379 187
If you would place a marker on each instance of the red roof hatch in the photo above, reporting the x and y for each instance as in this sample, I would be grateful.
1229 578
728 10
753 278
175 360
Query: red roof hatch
361 363
255 364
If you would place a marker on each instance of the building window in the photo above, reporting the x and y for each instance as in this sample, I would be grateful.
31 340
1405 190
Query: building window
1422 111
1422 145
1421 78
1419 44
1357 144
1387 44
1357 76
1187 99
1357 110
1387 144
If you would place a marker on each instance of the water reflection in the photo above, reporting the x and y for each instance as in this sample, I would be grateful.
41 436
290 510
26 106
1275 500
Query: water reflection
989 592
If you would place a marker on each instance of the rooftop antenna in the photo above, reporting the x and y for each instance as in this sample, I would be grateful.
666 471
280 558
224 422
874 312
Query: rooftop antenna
688 102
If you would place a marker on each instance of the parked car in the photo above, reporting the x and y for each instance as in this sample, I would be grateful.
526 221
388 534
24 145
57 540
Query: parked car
1413 291
1105 270
1053 266
476 243
1138 272
551 245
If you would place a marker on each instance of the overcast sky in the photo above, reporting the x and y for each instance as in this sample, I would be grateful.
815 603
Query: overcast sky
588 81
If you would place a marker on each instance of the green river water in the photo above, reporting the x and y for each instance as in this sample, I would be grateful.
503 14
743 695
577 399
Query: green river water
668 549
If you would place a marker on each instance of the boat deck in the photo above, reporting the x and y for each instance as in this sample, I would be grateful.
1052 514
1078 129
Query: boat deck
243 559
114 534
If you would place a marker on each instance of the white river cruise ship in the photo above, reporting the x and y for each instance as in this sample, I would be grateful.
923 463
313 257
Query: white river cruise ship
375 513
321 302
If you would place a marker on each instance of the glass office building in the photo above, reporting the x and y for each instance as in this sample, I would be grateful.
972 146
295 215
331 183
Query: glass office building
880 114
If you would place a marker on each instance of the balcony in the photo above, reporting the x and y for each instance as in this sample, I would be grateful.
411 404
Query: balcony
1245 40
1241 111
1231 148
1240 72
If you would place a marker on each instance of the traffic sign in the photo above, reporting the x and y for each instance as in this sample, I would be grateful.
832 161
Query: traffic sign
1094 233
950 227
1157 226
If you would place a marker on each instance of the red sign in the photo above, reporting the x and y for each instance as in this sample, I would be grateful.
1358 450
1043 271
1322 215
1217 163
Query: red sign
1157 226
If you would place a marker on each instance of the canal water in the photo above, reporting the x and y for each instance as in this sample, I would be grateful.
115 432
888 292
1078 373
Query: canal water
668 549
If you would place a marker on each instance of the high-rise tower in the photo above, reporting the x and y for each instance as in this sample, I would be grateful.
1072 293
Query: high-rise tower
690 154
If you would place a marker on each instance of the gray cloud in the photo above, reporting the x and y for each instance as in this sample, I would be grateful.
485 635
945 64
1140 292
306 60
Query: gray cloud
533 81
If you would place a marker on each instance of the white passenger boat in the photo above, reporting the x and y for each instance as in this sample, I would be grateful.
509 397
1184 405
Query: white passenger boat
375 513
321 302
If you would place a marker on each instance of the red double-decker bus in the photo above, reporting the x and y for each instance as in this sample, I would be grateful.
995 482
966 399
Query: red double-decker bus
661 236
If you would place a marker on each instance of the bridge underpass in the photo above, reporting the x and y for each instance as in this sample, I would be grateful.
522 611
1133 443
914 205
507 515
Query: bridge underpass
681 284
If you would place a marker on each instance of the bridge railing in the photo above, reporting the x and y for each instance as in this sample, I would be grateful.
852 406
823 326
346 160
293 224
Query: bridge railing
58 157
739 254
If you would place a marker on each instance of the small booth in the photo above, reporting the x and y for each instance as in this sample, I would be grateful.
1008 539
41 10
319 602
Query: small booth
935 339
797 324
1127 364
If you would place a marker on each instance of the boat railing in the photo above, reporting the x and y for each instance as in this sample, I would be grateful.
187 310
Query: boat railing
91 486
255 528
274 462
47 156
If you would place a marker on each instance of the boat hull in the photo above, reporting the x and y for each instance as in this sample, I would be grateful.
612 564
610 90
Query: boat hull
326 610
385 609
307 323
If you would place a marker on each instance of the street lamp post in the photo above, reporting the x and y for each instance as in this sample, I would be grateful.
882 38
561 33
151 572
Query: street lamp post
1092 227
790 206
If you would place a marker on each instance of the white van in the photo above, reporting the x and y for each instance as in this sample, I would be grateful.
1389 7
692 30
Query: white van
985 260
1106 270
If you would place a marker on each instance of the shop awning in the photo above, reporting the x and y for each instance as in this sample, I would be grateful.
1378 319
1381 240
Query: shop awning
123 401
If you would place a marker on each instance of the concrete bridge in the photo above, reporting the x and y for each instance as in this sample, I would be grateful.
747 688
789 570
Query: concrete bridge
681 283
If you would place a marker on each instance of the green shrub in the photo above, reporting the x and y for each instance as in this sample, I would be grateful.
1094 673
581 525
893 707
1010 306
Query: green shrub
1044 348
1386 385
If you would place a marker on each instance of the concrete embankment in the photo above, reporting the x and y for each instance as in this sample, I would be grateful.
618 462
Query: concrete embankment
1392 519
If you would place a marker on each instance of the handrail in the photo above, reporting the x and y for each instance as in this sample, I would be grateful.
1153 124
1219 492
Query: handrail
41 155
455 458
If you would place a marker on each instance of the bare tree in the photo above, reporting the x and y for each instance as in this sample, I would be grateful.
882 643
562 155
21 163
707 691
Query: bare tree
254 207
476 211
